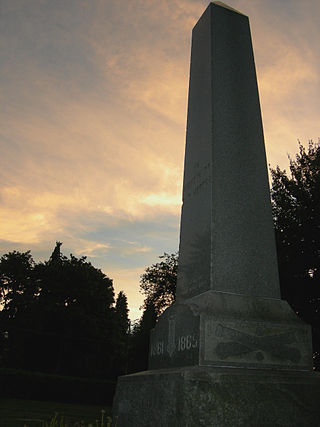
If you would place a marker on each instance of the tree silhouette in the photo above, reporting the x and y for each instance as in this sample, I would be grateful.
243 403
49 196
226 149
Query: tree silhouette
159 283
58 315
296 212
140 339
123 330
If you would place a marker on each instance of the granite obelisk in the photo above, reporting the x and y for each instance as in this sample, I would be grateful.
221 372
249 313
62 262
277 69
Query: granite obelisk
229 351
227 238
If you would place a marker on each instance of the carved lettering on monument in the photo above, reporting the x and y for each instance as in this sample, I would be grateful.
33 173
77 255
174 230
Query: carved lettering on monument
157 348
187 342
171 336
200 179
196 269
176 343
239 343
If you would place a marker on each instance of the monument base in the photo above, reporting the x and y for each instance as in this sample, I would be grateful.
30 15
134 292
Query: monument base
211 396
237 331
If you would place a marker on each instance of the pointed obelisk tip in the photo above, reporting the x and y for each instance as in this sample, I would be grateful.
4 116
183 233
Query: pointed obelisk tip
220 3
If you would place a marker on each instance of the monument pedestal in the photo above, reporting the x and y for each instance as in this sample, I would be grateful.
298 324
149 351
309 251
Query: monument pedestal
224 329
212 396
220 359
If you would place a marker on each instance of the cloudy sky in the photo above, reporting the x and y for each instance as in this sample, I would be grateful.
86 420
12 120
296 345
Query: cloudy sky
93 114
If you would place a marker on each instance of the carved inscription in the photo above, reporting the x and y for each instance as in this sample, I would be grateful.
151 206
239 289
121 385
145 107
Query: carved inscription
187 342
157 349
236 343
171 336
200 179
194 269
184 343
251 343
175 339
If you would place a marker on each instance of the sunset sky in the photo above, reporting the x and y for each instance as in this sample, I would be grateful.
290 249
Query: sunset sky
93 116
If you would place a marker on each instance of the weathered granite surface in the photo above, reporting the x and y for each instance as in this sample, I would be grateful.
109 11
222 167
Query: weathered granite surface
218 397
227 239
220 329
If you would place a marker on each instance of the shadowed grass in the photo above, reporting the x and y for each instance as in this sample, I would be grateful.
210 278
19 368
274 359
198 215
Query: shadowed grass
34 413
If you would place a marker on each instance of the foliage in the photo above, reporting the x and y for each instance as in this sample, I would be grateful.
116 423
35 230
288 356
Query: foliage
296 212
17 287
59 312
159 282
140 338
122 329
122 313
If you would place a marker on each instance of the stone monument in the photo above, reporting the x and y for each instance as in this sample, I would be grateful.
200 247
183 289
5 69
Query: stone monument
229 352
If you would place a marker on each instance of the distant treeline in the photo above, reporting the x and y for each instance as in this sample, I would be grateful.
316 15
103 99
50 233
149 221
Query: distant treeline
60 318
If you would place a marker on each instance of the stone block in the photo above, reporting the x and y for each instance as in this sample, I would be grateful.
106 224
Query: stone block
221 329
217 397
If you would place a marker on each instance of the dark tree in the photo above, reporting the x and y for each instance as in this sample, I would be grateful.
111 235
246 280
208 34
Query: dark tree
122 313
296 212
17 286
56 256
58 315
159 283
18 290
123 330
140 339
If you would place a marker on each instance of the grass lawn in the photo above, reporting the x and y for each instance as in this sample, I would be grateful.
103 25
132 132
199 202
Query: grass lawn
34 413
